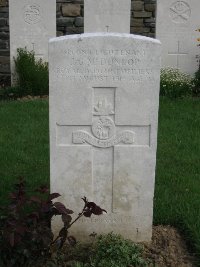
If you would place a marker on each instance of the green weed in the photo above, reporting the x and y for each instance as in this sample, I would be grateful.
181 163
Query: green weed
32 74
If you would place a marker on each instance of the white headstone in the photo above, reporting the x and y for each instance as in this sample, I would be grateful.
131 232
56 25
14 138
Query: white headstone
104 97
176 25
107 16
32 23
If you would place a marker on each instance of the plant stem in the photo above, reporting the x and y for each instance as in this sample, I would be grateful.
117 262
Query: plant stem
80 215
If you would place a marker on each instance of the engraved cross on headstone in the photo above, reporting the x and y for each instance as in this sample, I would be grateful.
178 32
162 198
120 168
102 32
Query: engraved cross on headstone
178 53
104 135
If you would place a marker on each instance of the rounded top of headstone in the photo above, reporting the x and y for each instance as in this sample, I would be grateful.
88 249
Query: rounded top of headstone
80 37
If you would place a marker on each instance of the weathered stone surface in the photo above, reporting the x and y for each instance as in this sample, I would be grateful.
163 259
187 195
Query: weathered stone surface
4 9
107 16
72 1
150 23
142 14
3 3
65 22
3 21
150 20
150 7
4 60
71 10
136 30
32 23
4 36
59 33
3 15
176 25
145 29
4 29
79 21
137 5
74 30
4 44
58 7
150 1
137 22
104 95
149 34
5 52
139 30
4 64
82 10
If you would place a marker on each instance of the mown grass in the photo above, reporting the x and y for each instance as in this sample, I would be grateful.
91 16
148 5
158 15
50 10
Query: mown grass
177 192
24 151
24 144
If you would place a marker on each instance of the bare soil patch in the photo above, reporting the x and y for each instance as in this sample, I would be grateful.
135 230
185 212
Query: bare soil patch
168 248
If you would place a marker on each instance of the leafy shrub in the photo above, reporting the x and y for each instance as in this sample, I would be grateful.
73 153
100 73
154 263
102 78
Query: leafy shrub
109 250
175 84
112 250
25 232
32 74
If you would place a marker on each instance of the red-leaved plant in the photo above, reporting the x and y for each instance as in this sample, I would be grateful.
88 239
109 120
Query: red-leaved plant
25 232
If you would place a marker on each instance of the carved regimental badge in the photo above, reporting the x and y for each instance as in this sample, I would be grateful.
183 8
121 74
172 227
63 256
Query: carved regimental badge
103 128
32 14
103 107
180 12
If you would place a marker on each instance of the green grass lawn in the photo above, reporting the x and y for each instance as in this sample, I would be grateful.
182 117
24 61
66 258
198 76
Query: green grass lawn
177 192
24 151
24 144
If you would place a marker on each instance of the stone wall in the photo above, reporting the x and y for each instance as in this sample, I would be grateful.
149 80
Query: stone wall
70 21
4 43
